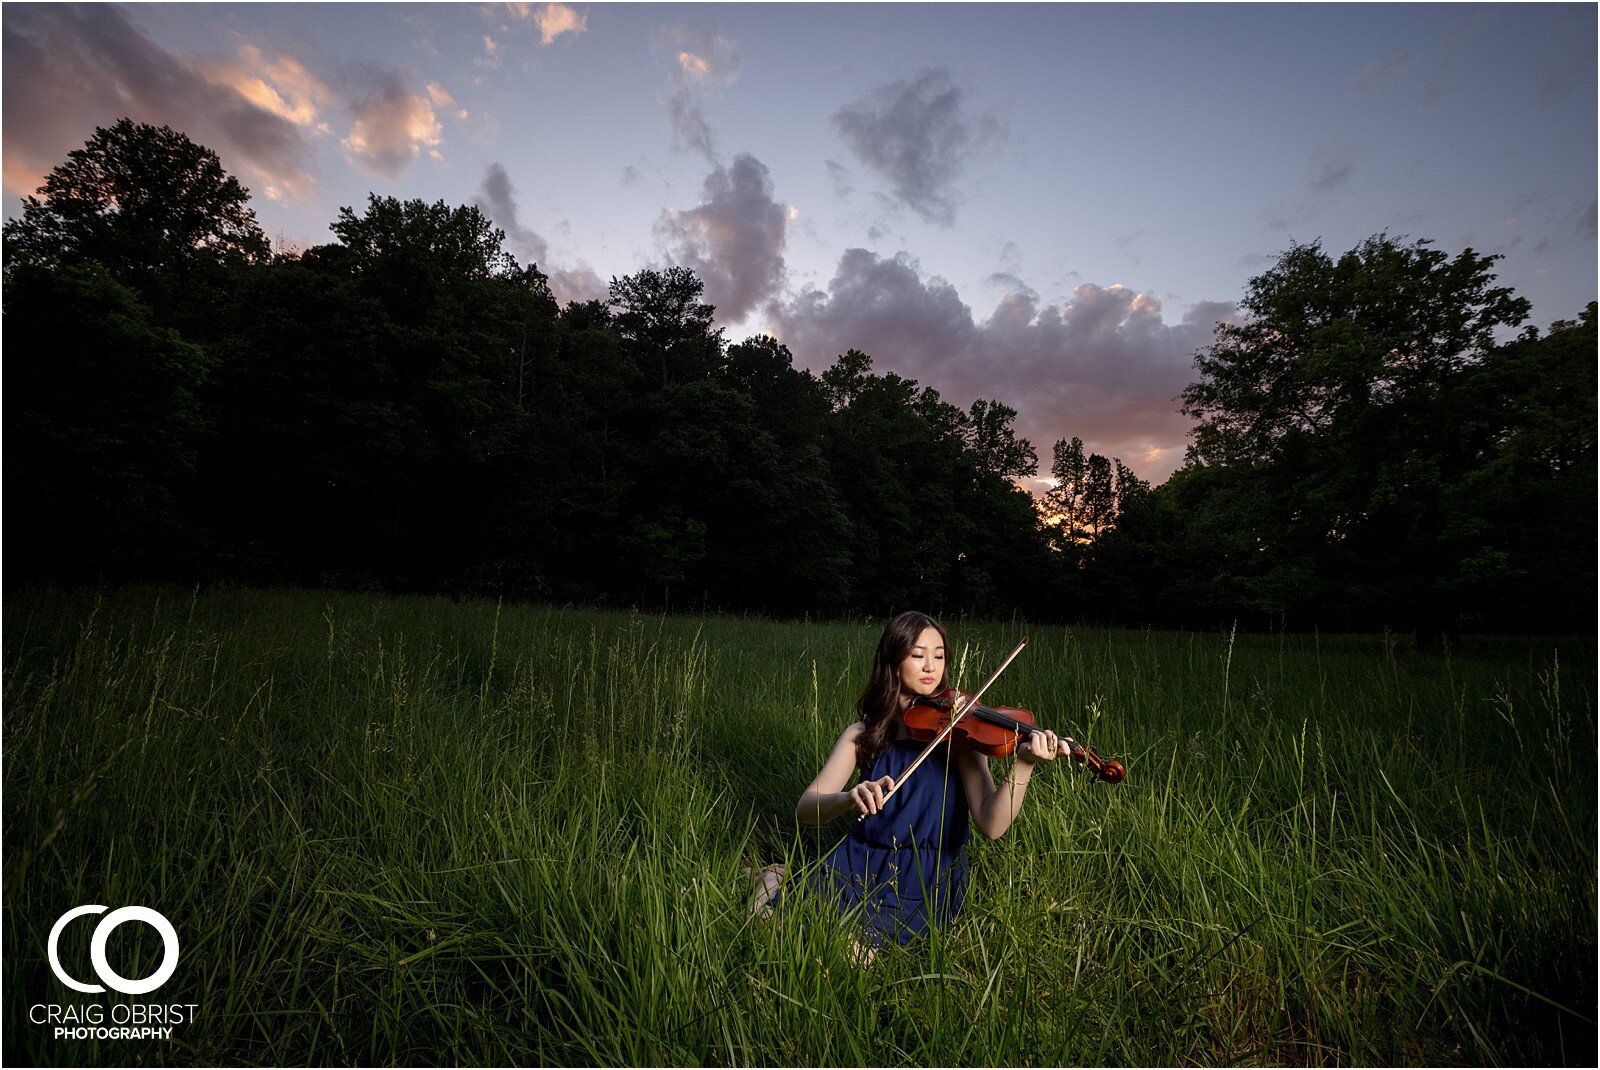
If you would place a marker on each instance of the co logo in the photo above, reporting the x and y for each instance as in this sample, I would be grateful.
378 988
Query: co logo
97 949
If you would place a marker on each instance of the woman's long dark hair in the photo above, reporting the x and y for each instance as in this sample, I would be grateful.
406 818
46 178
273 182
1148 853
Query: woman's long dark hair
879 703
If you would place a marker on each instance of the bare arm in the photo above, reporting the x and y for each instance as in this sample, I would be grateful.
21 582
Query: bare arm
995 806
826 798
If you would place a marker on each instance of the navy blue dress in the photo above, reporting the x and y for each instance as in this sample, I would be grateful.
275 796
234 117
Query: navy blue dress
905 867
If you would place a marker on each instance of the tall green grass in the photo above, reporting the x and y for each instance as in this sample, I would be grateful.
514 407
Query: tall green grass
407 830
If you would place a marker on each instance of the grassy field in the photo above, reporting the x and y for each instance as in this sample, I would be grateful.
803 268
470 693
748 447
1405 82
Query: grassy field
405 830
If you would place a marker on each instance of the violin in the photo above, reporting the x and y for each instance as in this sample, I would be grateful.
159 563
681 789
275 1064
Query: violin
952 717
995 732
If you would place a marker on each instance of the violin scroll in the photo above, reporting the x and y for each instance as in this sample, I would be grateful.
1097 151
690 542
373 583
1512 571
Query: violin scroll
1105 769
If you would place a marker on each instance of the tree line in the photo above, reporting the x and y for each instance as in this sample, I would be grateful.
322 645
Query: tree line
409 408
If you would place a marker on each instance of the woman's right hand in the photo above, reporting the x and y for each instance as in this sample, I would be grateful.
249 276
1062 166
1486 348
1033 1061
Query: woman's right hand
868 795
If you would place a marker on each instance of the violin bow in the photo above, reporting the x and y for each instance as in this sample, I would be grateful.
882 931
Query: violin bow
940 738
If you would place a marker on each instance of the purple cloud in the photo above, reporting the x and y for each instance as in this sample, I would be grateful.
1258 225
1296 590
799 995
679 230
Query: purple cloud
497 199
1103 365
916 135
734 239
703 60
1331 164
72 68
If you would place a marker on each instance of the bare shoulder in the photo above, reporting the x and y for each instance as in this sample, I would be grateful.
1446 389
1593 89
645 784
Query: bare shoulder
851 734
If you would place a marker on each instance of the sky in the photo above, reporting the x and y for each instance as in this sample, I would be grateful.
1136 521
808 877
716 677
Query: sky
1049 205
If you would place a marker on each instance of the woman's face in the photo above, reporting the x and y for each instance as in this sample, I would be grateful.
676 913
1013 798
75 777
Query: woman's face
922 670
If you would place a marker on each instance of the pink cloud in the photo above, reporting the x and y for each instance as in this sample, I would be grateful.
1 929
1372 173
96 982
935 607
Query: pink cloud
1103 365
71 69
392 126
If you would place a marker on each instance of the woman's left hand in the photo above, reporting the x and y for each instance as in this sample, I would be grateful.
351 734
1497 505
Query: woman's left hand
1044 746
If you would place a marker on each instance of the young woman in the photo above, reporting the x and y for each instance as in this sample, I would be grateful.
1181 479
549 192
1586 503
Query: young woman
905 864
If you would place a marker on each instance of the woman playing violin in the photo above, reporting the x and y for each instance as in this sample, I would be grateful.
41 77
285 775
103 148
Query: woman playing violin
904 862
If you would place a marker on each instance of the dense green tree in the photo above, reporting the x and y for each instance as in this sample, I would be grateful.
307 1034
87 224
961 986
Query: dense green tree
893 473
987 429
845 379
582 412
1099 495
103 422
664 325
1062 507
1089 494
1327 397
1102 522
407 407
1329 342
142 201
1004 565
310 470
798 549
793 404
927 488
463 331
415 256
1129 487
120 277
1520 520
